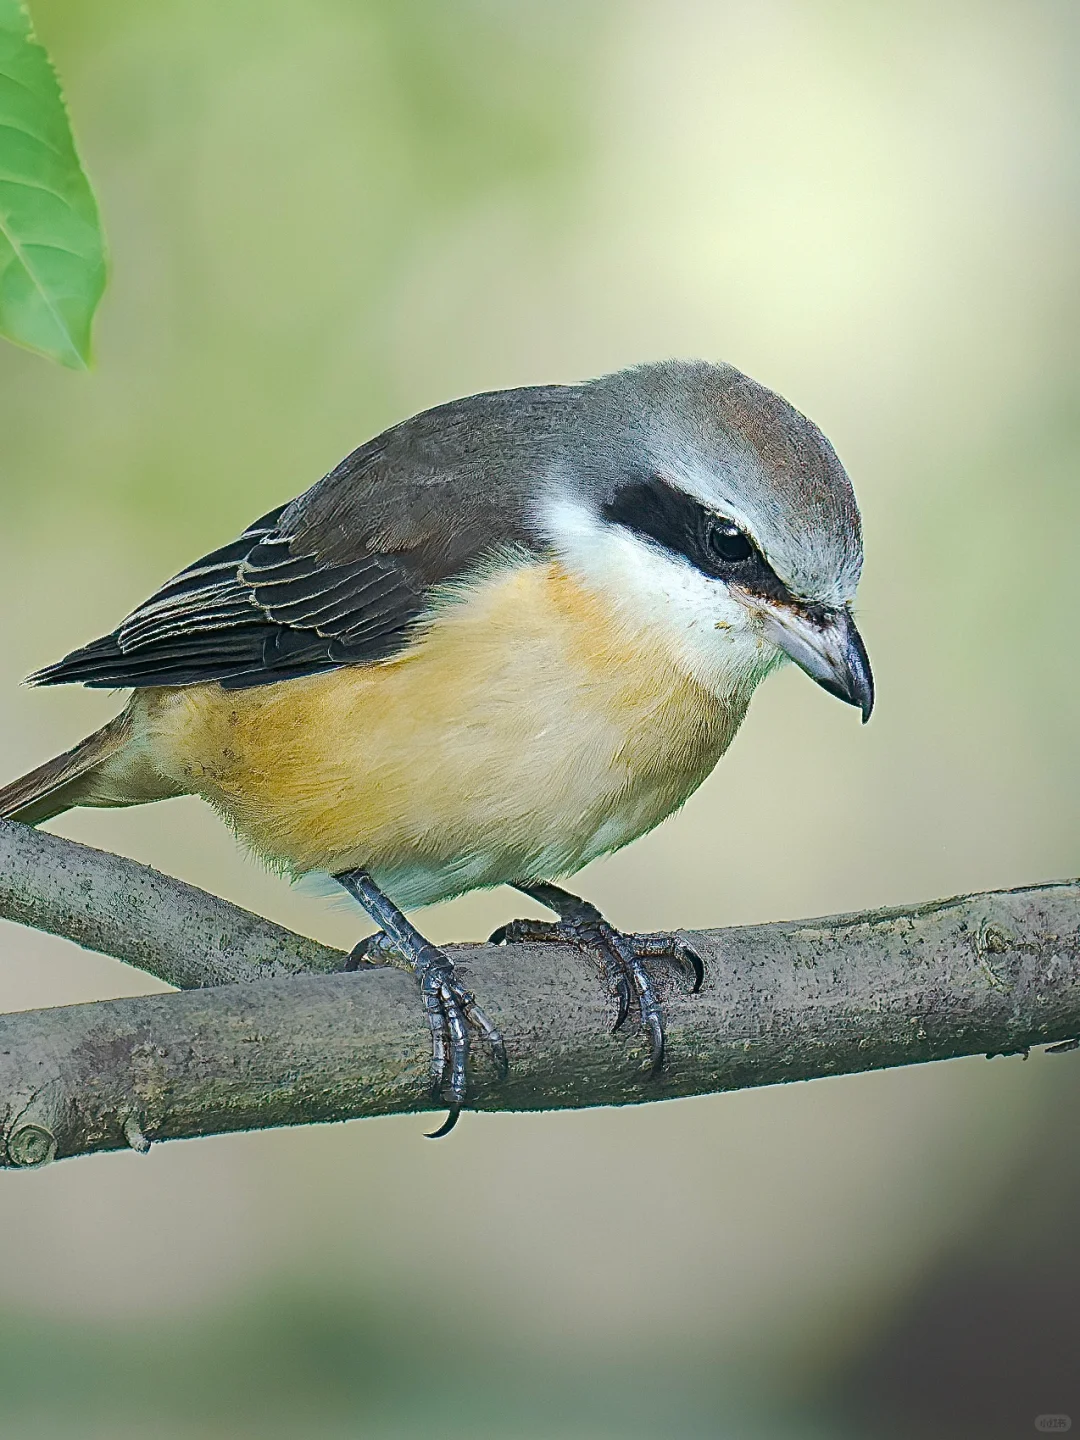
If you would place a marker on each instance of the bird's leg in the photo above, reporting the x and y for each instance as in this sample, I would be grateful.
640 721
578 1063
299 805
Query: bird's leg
449 1007
622 957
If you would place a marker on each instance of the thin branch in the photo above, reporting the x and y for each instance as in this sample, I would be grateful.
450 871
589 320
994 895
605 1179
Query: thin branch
997 972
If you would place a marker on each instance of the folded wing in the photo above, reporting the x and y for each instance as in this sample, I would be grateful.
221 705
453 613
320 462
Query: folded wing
341 575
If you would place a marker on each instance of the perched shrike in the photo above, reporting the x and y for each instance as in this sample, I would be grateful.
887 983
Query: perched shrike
504 637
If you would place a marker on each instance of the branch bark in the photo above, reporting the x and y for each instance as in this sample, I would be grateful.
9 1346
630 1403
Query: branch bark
163 926
293 1044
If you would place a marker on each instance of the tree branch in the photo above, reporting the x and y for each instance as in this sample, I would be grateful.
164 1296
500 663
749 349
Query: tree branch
996 972
174 931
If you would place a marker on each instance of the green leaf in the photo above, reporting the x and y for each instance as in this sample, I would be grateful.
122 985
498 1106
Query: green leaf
52 254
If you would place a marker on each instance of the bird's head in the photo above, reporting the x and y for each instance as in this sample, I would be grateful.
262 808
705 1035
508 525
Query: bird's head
708 507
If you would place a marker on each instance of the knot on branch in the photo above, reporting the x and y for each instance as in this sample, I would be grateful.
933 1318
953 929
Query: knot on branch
31 1145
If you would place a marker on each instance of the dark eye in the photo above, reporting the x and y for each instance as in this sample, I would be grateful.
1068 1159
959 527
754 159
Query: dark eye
727 542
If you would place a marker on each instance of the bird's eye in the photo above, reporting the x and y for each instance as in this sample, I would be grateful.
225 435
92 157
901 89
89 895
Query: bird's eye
727 542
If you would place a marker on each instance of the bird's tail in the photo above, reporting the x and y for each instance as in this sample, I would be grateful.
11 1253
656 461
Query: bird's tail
73 778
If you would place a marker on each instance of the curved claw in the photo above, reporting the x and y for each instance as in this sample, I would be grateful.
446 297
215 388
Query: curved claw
697 965
358 957
622 992
656 1039
670 947
447 1125
620 956
449 1008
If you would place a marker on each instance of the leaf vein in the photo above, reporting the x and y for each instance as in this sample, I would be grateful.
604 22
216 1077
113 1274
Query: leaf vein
22 85
17 250
38 139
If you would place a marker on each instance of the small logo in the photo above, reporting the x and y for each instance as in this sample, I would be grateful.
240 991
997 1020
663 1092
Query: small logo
1053 1424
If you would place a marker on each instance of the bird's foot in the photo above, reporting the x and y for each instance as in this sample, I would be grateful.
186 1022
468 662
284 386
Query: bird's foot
451 1013
451 1010
622 957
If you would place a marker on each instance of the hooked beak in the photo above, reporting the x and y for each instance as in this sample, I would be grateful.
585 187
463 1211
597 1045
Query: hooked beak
823 642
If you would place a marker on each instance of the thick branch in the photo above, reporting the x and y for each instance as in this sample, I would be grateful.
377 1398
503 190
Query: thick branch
986 973
163 926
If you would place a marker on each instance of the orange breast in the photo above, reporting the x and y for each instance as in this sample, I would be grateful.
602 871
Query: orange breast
527 729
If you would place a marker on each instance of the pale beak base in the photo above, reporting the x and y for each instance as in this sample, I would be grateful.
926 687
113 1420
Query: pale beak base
822 641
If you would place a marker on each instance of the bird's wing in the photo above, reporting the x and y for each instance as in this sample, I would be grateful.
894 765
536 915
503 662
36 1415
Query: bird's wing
340 575
252 612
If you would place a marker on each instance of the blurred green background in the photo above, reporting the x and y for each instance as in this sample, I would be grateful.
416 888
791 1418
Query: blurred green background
323 217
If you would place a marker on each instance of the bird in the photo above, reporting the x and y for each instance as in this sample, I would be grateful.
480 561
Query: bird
508 635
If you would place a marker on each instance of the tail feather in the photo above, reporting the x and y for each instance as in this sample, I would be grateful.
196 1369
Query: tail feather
79 665
60 783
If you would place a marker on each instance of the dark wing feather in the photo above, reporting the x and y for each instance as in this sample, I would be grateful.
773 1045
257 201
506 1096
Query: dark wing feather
252 613
340 575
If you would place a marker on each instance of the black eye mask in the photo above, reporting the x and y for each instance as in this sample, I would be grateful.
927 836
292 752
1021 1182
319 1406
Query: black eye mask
681 524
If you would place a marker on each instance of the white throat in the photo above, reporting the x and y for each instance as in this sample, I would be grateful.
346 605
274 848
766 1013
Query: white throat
712 636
